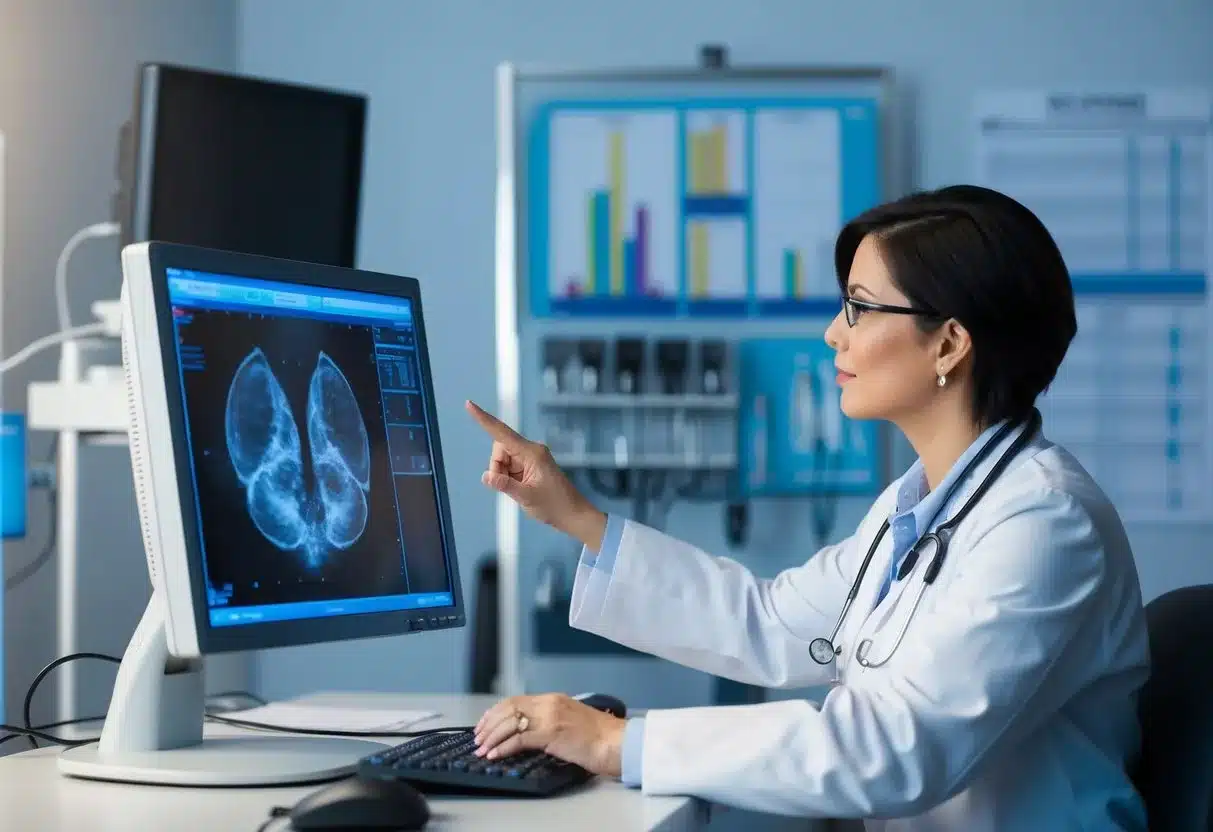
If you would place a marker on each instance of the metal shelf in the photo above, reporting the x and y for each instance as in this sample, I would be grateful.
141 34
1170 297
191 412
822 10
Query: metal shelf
678 462
628 401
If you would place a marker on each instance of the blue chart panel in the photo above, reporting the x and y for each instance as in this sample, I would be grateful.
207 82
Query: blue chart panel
794 438
696 208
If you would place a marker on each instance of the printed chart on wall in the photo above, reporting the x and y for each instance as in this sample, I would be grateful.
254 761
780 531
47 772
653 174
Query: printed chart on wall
1123 182
696 208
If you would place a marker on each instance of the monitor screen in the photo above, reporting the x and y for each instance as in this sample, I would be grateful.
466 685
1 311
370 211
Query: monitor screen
312 467
248 165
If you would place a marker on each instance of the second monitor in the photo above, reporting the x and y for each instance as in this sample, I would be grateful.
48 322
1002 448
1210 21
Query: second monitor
291 490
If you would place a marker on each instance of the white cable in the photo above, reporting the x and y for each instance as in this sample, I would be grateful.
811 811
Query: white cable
24 354
91 232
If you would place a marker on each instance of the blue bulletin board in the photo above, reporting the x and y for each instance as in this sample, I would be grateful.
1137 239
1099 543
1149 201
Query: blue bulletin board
696 207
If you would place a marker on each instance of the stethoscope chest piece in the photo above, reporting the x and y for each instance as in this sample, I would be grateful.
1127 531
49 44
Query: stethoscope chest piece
822 650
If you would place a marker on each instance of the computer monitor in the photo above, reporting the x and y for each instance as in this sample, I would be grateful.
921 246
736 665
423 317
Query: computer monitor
243 164
290 488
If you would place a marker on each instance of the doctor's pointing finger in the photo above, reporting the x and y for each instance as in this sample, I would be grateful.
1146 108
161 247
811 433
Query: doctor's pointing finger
981 632
526 472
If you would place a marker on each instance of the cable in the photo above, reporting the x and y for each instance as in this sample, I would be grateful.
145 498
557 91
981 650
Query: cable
34 733
91 232
36 346
30 569
276 813
42 674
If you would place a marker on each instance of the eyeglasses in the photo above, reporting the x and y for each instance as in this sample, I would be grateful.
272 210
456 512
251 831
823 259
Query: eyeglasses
854 307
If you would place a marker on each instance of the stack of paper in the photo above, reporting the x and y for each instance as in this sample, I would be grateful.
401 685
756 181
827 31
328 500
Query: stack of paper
331 718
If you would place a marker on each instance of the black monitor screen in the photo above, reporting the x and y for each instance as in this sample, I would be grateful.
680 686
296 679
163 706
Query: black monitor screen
248 165
311 460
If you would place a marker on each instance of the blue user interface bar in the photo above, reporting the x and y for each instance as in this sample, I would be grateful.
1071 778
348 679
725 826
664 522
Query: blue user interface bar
230 292
222 617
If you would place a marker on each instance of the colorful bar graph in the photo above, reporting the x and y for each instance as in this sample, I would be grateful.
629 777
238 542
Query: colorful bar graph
793 273
617 263
615 207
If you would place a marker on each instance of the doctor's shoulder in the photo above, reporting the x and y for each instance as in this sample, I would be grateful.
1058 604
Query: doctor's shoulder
1051 519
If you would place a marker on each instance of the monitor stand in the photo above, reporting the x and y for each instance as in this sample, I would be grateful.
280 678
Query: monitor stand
153 730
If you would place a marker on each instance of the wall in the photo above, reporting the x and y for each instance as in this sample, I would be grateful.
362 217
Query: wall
67 72
428 209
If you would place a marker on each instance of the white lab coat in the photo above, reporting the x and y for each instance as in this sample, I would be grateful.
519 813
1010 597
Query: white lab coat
1009 704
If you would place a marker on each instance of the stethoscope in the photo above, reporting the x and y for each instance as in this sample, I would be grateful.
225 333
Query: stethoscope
934 544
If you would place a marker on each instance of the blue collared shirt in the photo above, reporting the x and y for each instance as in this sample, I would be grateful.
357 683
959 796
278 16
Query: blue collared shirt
917 508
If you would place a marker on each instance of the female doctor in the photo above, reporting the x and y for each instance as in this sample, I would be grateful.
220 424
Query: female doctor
982 630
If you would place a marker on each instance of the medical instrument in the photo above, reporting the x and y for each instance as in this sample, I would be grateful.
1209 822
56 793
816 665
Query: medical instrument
824 650
673 360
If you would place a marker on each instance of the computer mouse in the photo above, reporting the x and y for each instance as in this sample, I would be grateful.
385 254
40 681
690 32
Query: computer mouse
604 702
361 803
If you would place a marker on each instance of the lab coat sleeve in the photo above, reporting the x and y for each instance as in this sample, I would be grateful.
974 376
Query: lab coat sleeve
632 754
662 596
980 671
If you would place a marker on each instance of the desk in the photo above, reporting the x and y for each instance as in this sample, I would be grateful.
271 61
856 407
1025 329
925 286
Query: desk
35 796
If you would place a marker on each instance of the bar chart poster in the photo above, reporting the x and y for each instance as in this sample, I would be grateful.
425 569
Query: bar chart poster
695 208
716 211
613 214
797 205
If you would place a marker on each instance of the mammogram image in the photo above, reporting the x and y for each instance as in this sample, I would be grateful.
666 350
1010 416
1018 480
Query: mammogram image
265 447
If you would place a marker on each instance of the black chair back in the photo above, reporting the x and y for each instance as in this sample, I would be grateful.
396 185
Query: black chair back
1175 772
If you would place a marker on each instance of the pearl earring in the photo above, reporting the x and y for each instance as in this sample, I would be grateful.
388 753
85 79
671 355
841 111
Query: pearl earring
942 380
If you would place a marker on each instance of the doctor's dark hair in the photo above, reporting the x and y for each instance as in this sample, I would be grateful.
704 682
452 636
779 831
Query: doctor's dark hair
980 257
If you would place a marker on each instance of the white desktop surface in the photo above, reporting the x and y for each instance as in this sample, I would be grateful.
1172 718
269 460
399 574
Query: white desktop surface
35 796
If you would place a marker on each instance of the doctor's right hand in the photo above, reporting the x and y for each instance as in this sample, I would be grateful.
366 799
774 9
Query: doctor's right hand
526 472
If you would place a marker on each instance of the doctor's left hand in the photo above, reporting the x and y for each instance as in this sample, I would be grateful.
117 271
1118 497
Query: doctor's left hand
556 724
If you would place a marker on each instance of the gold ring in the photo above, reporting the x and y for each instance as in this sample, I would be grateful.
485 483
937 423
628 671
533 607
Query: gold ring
523 722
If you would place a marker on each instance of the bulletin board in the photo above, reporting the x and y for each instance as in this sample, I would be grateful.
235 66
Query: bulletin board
693 204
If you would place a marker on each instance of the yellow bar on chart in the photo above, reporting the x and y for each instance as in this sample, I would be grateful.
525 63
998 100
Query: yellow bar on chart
616 164
718 139
798 274
695 155
699 259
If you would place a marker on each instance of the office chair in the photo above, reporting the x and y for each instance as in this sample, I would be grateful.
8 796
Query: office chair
1174 774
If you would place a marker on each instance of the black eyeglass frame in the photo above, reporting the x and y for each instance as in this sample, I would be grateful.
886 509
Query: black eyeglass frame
852 305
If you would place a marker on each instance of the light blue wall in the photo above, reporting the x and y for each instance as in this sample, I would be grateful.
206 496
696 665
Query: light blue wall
428 207
67 83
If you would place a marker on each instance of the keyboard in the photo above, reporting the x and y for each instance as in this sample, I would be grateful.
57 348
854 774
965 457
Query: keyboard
446 762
